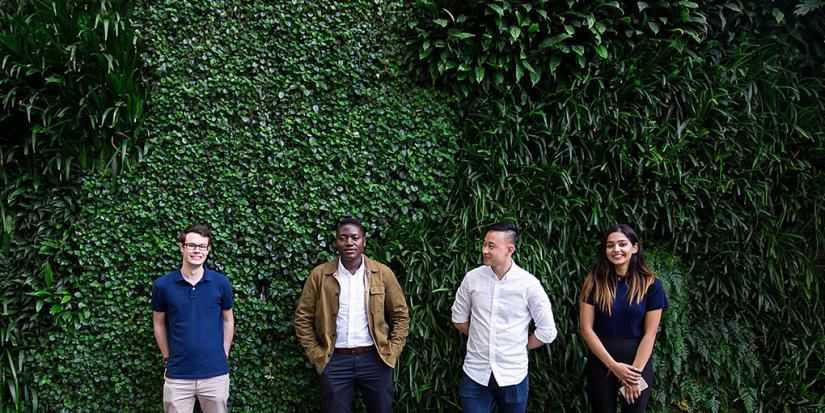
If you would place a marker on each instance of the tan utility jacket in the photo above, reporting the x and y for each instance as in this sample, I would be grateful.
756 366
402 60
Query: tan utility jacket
387 313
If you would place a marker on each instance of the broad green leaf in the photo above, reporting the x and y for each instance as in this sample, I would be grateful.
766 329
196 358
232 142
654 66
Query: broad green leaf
47 274
527 66
553 40
515 32
554 63
496 8
778 15
535 76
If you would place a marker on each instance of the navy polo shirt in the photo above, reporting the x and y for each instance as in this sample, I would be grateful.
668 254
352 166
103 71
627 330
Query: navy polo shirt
627 320
194 326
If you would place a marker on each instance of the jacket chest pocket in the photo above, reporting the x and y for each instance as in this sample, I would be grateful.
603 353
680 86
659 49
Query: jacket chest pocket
376 300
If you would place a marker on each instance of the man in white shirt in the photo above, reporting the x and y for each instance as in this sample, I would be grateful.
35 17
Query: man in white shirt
493 307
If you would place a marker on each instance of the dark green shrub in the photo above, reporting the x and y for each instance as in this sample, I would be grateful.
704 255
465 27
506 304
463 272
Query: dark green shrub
703 130
706 136
70 103
267 128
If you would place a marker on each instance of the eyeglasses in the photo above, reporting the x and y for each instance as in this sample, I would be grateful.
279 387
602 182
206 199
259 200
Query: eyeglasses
197 247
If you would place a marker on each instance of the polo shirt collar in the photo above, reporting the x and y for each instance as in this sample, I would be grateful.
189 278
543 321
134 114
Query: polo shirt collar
208 275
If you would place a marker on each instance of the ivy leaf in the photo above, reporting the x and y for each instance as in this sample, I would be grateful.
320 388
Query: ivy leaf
778 15
535 76
601 51
479 73
515 32
554 63
528 66
497 9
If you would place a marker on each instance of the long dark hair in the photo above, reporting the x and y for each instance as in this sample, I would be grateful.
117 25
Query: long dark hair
601 279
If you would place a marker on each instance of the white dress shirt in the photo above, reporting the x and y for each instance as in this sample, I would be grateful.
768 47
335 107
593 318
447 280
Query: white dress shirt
499 312
351 326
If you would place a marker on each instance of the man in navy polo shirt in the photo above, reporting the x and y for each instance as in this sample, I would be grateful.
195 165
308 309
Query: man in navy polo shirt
194 325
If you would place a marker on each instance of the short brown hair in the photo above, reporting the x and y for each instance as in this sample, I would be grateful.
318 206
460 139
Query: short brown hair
199 229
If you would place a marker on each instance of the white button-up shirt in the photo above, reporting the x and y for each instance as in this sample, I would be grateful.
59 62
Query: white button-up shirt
499 312
351 326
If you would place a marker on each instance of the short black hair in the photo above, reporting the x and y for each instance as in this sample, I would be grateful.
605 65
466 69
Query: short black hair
349 221
509 230
199 229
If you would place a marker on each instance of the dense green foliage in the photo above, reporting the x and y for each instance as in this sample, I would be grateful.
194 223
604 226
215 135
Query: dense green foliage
71 103
700 124
266 128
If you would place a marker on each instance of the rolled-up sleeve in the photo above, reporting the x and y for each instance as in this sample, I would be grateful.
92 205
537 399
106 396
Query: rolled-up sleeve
539 305
462 303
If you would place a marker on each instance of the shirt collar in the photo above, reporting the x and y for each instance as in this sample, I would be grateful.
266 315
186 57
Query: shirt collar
511 273
361 268
207 275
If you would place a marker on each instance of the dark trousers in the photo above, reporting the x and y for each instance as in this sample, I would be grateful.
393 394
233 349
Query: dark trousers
603 386
476 398
365 372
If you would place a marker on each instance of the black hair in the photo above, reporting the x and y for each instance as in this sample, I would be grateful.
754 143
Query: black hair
509 230
349 221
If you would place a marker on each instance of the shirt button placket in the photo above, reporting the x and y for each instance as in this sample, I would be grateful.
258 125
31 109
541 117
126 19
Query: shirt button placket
493 323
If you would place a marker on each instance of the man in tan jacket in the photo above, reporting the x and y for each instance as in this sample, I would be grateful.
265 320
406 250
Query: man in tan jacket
352 320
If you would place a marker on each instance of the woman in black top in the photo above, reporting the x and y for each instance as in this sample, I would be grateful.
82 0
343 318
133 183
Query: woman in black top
620 307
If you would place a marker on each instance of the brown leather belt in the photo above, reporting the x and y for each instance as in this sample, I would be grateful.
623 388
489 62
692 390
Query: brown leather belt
355 350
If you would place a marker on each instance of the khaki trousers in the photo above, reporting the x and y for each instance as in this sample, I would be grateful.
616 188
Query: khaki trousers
212 393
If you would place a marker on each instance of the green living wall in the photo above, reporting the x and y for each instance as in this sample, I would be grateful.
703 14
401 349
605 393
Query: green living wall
700 123
697 123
